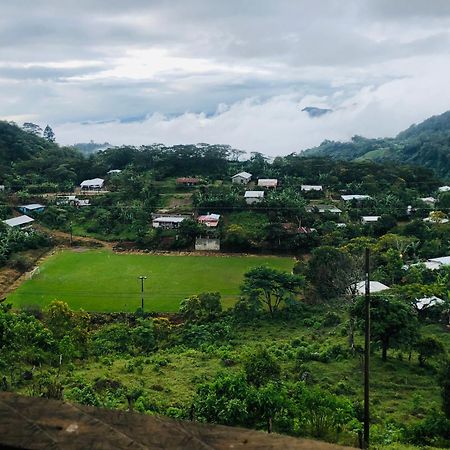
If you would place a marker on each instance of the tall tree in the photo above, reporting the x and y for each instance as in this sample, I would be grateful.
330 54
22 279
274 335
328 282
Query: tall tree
32 128
49 134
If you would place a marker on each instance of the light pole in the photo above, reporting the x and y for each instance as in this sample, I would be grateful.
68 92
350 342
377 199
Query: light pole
367 352
142 278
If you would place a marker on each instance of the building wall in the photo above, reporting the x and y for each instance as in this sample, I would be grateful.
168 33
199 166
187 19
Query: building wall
207 244
239 180
252 200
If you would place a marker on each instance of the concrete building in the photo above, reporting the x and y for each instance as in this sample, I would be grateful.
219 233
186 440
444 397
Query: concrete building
252 197
241 178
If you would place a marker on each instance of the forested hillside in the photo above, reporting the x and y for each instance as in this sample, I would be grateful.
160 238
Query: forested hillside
426 144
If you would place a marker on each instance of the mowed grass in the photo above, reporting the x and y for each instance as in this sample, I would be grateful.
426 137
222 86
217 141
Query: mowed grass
102 281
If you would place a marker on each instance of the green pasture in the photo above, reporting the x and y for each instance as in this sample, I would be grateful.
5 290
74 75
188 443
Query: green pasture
103 281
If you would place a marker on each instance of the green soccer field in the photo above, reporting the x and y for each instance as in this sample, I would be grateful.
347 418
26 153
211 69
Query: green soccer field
103 281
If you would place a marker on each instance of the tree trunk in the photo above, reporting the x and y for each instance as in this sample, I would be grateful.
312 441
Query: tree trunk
269 424
384 352
351 336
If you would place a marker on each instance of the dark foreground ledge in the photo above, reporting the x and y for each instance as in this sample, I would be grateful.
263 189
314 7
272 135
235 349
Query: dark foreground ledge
37 423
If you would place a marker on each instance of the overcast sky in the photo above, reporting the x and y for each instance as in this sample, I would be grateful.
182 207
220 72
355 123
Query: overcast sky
235 72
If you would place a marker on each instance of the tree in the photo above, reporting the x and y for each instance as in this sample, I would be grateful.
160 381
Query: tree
427 347
49 134
394 322
444 379
32 128
261 367
202 307
271 287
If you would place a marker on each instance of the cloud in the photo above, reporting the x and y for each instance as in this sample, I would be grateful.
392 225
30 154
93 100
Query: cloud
176 62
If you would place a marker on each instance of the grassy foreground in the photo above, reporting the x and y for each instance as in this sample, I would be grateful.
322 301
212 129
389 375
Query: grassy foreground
103 281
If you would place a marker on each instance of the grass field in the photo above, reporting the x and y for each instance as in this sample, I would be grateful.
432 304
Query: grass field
102 281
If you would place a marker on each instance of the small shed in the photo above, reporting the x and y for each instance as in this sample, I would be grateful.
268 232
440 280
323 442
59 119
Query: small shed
358 197
241 178
444 189
253 197
270 183
207 244
311 187
96 184
426 302
19 222
113 171
369 219
31 208
428 200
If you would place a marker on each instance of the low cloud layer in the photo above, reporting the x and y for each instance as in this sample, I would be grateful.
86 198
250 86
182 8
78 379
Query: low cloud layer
224 72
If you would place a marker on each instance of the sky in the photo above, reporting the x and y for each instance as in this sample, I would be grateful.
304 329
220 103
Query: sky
235 72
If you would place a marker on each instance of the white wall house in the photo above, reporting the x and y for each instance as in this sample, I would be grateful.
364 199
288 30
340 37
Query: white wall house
253 197
167 222
241 178
92 185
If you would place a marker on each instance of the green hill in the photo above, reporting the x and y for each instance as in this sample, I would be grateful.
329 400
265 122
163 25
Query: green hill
426 144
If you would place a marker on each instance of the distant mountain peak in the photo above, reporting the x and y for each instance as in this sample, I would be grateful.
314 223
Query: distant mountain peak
314 111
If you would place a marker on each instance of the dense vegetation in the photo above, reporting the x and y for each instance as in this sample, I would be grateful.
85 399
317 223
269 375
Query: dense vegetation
426 144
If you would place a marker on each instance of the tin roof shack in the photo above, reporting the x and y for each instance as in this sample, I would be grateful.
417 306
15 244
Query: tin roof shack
31 208
241 178
252 197
210 220
22 222
269 183
96 184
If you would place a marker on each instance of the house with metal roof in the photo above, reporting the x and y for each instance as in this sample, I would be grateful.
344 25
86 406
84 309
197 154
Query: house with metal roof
270 183
311 187
358 197
253 197
369 219
210 220
95 184
19 222
167 222
31 208
241 178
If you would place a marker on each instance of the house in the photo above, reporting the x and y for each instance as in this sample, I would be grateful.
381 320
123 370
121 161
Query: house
374 287
167 222
253 197
80 203
19 222
437 263
311 187
270 183
113 171
187 181
327 209
31 208
241 178
210 220
369 219
428 200
96 184
436 218
66 199
349 198
444 189
425 302
207 244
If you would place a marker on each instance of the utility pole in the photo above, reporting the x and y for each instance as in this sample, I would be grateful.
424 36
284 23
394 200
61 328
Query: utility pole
367 352
142 278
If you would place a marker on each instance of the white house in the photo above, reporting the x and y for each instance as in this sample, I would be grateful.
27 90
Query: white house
311 187
374 287
268 182
444 189
92 185
369 219
241 178
113 171
253 197
350 197
167 222
327 209
20 222
428 200
425 302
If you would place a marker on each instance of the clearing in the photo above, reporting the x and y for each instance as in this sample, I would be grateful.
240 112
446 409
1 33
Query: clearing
102 281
